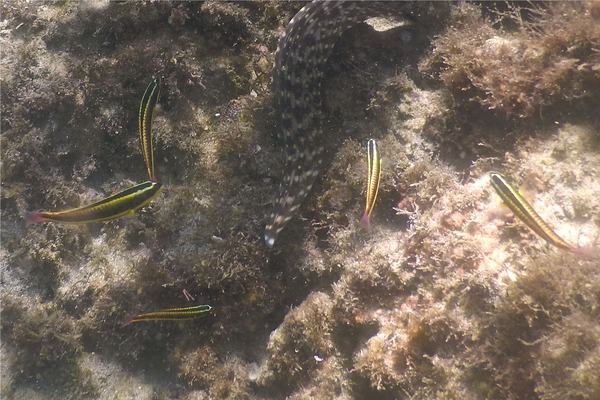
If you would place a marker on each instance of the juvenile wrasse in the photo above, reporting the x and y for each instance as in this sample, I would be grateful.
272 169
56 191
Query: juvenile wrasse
146 113
373 180
126 202
300 61
171 314
522 209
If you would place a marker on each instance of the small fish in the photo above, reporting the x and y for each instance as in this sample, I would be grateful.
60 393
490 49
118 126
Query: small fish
373 180
522 209
126 202
149 100
170 314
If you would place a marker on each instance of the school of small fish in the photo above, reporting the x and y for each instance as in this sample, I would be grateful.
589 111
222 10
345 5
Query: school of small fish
127 201
302 52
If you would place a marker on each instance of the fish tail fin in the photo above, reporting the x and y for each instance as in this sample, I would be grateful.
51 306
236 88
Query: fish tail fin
588 252
127 321
33 217
365 221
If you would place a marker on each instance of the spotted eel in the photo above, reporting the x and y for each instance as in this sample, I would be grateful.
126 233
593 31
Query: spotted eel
300 60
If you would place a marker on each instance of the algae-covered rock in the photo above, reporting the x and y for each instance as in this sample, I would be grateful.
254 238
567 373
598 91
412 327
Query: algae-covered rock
447 297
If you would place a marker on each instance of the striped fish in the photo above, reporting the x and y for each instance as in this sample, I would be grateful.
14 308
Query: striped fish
146 113
373 180
522 209
170 314
123 203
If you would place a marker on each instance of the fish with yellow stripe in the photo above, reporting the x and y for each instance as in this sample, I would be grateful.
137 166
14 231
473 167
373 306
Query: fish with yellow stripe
170 314
145 116
522 209
373 181
123 203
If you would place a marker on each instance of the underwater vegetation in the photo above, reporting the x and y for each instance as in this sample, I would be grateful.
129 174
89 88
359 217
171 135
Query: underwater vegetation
447 296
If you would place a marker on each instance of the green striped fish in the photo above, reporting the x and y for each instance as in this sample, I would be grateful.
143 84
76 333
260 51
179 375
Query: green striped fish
123 203
373 180
522 209
170 314
147 104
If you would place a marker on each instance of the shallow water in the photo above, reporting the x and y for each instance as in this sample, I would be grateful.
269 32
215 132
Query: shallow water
447 296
